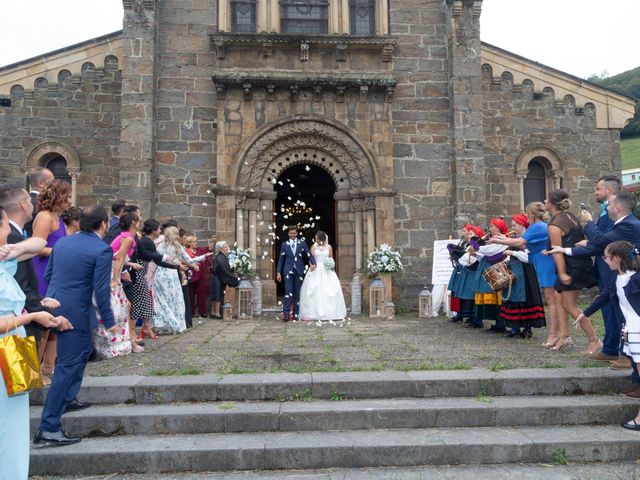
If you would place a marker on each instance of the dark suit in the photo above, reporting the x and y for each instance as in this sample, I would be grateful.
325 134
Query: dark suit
221 277
598 238
79 269
28 281
291 267
610 294
29 225
611 313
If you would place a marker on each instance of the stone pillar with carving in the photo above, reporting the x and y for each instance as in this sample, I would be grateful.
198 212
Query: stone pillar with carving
521 178
253 204
370 208
469 194
73 173
240 216
137 172
357 205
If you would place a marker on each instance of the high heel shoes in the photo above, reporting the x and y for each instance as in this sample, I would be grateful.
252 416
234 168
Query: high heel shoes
594 346
550 342
148 333
562 343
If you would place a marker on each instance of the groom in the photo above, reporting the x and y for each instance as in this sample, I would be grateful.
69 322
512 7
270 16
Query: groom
291 263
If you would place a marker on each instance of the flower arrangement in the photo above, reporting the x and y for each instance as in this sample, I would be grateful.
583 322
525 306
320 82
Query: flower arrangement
240 261
329 263
384 259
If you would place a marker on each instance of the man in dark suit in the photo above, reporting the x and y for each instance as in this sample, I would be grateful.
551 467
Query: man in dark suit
79 269
16 202
291 263
38 178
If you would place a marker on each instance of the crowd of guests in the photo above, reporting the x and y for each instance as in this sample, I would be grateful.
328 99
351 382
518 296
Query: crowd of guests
81 283
550 252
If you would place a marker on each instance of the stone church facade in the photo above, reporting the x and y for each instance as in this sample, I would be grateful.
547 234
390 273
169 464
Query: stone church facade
379 121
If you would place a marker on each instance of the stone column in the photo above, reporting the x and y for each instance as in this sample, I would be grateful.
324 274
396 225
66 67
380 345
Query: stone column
358 208
240 222
521 178
252 205
371 224
73 173
465 81
137 151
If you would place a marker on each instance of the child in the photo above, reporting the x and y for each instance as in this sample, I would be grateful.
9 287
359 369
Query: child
622 257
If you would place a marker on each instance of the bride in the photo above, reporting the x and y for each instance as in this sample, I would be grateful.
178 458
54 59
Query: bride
321 294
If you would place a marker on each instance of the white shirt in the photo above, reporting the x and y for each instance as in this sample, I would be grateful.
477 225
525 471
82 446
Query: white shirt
17 227
293 245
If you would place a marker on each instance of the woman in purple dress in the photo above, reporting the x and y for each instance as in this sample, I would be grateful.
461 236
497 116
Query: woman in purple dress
48 225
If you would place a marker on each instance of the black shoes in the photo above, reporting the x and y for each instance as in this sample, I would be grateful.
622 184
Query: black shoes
74 405
631 425
53 439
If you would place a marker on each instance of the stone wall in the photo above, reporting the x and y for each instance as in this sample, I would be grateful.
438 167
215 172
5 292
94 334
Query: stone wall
518 118
185 106
81 112
421 115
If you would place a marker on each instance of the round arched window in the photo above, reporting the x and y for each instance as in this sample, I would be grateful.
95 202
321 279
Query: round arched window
535 183
58 166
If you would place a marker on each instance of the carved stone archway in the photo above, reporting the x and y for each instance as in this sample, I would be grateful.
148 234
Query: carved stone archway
550 160
47 148
245 207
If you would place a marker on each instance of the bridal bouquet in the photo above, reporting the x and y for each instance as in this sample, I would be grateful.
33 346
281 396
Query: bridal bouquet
384 259
329 263
240 261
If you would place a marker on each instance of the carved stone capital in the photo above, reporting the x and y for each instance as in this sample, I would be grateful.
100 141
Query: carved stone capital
358 204
341 52
137 4
304 52
246 92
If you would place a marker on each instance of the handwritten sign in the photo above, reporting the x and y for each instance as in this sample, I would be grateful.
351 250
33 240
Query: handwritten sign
442 266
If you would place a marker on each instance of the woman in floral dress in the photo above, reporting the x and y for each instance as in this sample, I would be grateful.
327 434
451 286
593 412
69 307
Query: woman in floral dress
168 301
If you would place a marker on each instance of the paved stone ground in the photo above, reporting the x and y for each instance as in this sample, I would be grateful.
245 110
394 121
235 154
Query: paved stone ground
593 471
360 343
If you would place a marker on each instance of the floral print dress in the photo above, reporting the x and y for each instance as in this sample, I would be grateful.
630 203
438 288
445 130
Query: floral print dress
111 345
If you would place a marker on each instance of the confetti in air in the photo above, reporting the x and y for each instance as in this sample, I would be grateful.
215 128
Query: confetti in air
307 168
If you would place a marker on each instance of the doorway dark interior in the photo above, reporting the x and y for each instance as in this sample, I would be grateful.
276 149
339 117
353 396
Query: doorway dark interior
305 199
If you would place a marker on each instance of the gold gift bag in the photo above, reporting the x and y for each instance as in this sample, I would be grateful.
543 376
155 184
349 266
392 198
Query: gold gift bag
19 364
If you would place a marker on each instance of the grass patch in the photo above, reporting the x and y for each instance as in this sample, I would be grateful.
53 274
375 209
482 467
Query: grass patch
305 395
630 152
496 367
592 364
560 456
441 366
226 406
484 398
551 365
175 372
336 396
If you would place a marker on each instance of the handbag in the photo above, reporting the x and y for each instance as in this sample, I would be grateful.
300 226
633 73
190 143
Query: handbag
19 364
499 276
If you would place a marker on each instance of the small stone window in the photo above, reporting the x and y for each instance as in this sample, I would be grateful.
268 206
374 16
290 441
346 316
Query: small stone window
310 17
362 17
58 166
535 183
243 16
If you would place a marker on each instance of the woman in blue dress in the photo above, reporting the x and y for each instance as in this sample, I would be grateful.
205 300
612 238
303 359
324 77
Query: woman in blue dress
14 410
535 239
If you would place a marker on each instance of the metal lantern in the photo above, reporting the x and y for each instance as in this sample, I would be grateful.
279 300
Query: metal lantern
376 298
390 311
227 312
257 297
425 304
245 299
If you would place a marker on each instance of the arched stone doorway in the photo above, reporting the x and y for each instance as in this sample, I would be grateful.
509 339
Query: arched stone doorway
305 198
538 171
62 159
245 194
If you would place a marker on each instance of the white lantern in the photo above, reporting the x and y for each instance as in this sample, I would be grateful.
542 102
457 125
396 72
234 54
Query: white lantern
376 298
245 299
227 312
425 304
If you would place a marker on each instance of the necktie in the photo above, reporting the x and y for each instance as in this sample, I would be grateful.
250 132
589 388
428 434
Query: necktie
603 208
24 234
293 246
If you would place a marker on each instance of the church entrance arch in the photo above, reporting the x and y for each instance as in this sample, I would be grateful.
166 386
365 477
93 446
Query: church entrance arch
305 199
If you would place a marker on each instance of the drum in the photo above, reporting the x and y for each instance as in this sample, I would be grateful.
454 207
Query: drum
499 276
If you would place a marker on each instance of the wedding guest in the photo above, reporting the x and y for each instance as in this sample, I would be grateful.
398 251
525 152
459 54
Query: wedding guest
623 258
38 179
574 273
71 219
117 209
149 259
222 276
48 225
14 427
465 286
79 271
185 277
462 306
199 289
168 300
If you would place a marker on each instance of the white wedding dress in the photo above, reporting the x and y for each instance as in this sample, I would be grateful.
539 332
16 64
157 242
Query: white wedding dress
320 294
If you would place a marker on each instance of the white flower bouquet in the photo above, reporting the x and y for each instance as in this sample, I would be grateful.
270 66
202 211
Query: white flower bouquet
384 259
329 263
240 261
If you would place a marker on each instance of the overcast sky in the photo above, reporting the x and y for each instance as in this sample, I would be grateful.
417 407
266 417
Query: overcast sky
581 37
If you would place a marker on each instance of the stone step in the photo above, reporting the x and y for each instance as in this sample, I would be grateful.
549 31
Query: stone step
352 385
588 471
343 449
219 417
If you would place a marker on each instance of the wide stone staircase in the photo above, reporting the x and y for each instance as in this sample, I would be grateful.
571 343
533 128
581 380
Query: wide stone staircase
350 420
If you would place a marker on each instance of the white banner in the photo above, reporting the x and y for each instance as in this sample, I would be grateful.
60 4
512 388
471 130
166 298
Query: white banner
442 266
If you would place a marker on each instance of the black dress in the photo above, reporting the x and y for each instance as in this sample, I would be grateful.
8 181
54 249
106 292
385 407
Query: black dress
580 269
222 276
